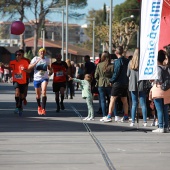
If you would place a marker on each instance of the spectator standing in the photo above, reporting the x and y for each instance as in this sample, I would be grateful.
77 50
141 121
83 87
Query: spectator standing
89 68
41 65
80 73
161 98
103 74
137 88
119 83
77 68
59 69
74 74
86 94
71 73
6 73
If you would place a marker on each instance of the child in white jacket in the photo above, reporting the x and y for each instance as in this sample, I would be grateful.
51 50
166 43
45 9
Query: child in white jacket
86 94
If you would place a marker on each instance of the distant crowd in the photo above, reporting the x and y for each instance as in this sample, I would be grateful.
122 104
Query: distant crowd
116 84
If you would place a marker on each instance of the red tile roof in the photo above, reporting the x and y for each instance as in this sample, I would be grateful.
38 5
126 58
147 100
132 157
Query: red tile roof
72 49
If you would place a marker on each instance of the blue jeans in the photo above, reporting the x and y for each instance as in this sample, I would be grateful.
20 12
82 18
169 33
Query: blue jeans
103 92
162 111
142 100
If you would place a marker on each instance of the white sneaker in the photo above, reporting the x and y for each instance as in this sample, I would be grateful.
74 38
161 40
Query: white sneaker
107 120
156 123
90 118
102 119
159 130
132 124
131 119
117 118
85 118
153 124
145 124
124 119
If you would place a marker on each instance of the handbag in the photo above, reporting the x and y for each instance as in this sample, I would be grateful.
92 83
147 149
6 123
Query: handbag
147 85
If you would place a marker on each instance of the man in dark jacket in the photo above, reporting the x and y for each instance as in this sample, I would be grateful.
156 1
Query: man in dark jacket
119 83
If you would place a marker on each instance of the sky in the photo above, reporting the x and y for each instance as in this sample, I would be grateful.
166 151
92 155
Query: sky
92 4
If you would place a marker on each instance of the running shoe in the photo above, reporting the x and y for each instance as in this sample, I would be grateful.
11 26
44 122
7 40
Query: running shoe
62 106
132 124
16 111
85 118
58 109
20 112
117 118
159 130
145 124
90 118
124 119
107 119
25 102
39 110
43 112
103 118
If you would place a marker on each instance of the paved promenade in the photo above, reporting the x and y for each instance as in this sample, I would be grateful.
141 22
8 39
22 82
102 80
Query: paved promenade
62 141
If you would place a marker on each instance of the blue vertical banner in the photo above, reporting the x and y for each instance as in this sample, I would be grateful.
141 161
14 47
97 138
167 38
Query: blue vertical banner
151 11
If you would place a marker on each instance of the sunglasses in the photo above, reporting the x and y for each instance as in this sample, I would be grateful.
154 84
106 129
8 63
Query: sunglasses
18 54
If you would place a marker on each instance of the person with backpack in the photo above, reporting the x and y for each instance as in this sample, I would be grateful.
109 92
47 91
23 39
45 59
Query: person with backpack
161 97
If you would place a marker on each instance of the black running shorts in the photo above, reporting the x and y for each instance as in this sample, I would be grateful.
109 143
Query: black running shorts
119 90
57 86
20 86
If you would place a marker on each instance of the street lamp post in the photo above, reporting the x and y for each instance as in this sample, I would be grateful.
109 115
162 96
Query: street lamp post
93 45
62 50
66 29
110 27
137 38
43 36
93 55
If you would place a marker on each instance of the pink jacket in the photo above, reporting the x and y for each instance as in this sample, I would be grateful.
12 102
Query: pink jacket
156 92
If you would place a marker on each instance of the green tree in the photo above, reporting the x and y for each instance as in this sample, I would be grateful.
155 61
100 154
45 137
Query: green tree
129 7
11 8
99 22
124 33
29 55
39 8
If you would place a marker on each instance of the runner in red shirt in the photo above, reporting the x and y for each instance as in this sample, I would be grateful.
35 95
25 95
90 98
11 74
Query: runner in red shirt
27 76
19 68
59 68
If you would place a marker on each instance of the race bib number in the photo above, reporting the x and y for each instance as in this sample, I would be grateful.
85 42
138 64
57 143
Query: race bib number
18 76
59 73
